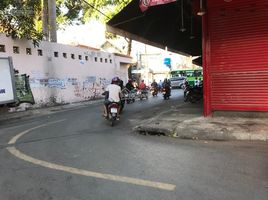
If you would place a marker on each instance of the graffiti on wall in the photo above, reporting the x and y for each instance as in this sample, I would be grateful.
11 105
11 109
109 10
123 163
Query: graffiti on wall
40 82
68 89
90 88
72 81
56 83
48 82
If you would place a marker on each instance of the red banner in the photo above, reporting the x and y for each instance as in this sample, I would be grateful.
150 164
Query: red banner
145 4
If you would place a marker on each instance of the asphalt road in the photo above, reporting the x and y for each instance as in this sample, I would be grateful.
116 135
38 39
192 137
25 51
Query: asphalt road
76 155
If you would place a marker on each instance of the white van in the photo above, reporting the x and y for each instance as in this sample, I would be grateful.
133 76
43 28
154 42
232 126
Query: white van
177 82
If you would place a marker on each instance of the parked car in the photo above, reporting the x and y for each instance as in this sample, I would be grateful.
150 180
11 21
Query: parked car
177 82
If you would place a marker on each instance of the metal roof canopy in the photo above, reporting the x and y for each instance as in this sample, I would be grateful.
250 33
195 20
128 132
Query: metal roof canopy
160 26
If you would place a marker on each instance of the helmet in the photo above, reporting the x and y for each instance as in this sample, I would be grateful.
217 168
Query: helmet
115 79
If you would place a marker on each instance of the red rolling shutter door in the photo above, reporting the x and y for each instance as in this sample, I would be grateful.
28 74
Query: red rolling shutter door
238 63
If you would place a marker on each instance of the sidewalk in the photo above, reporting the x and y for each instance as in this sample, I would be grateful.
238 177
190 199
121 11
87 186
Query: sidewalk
44 111
187 122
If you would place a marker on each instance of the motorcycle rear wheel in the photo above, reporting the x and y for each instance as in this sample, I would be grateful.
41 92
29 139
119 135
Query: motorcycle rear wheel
112 121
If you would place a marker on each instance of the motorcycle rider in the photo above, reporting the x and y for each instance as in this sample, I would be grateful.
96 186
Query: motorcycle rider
142 85
154 86
129 85
112 94
166 85
143 90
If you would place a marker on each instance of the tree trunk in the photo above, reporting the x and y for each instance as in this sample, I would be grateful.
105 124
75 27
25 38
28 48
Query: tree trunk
45 19
52 21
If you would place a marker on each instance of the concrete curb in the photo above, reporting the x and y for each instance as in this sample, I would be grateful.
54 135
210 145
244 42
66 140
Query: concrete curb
200 128
5 116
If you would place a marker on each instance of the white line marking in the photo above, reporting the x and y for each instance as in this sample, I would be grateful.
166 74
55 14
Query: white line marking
135 181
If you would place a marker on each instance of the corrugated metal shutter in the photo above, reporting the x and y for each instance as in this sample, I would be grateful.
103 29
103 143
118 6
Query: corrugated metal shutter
238 63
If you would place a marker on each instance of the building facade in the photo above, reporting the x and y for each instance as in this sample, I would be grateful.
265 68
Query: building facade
61 74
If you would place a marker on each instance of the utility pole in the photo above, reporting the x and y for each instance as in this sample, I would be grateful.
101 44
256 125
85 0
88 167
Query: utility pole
52 20
49 20
45 19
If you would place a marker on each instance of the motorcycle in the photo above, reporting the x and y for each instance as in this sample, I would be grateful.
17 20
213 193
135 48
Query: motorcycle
194 94
186 91
142 94
154 91
166 92
128 96
113 111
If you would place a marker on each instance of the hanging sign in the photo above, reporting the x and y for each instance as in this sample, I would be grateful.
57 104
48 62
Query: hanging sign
145 4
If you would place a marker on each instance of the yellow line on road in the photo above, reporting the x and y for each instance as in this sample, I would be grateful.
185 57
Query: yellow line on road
14 139
135 181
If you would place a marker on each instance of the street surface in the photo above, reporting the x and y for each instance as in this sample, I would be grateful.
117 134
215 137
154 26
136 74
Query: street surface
76 155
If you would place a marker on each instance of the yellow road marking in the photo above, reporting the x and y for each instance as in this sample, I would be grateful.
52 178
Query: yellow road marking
135 181
14 139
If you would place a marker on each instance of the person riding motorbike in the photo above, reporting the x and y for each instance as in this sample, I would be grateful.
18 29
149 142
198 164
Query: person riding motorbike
129 85
142 85
112 94
166 85
154 86
143 90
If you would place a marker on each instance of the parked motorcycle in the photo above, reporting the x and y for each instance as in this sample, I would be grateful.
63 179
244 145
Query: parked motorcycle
186 91
193 94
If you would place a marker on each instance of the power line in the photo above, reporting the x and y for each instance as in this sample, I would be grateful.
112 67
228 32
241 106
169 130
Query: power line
96 9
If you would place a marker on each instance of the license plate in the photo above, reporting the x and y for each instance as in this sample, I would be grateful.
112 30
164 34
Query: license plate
113 110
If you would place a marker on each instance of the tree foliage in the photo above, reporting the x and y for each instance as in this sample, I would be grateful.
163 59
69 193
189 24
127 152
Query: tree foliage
19 19
23 18
82 10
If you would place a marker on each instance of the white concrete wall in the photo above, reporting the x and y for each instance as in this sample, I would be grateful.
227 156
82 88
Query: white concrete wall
64 80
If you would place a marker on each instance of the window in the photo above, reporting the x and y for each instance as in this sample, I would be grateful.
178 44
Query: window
79 57
86 58
56 54
2 48
96 59
106 60
64 55
100 59
40 52
16 50
28 51
72 56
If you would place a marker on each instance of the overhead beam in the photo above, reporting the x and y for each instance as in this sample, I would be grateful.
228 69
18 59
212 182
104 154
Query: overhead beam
126 34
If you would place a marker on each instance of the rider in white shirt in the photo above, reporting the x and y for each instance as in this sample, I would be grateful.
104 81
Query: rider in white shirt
113 92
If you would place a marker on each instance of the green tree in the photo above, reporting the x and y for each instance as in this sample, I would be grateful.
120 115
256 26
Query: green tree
82 10
20 19
39 19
